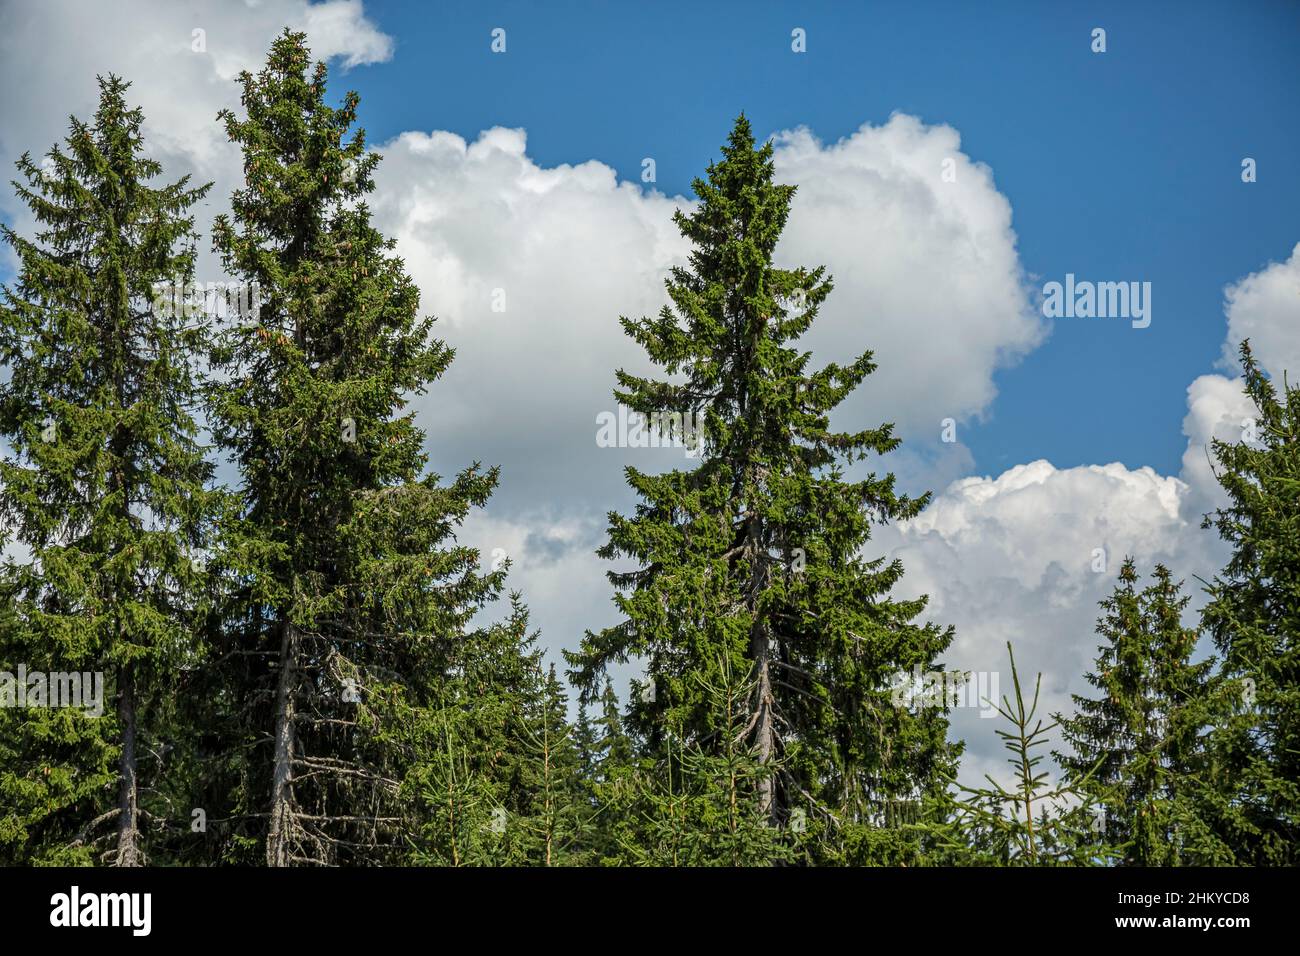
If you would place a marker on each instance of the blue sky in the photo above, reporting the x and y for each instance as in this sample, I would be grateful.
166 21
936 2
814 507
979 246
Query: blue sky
1122 165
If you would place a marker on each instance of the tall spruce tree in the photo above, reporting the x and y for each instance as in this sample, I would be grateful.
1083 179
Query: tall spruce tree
1254 618
104 489
1139 745
751 561
347 592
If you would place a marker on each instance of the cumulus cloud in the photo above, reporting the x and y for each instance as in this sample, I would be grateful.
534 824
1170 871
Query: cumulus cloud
925 266
180 88
1026 556
527 270
1217 409
340 29
553 564
1265 308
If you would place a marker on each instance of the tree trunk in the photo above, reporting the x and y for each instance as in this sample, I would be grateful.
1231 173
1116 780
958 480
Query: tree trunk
761 648
764 729
279 837
128 791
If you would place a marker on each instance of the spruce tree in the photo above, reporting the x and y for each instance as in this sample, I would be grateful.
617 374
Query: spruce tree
554 812
1034 822
103 489
1254 618
608 776
466 753
752 560
586 745
346 592
694 806
1139 744
496 768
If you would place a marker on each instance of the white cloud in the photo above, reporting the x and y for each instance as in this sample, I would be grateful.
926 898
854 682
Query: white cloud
1217 408
566 250
51 52
926 271
554 565
1265 308
1013 558
340 29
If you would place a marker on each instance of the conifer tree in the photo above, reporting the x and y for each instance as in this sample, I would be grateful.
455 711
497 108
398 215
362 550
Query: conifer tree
1254 619
347 592
1034 822
752 559
551 809
1139 744
608 776
586 745
616 748
496 771
104 489
694 807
